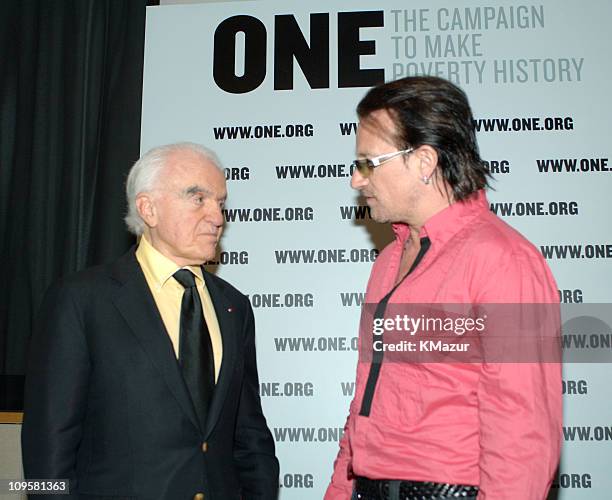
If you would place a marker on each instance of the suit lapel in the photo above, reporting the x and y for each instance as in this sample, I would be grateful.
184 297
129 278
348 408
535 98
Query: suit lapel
229 326
137 306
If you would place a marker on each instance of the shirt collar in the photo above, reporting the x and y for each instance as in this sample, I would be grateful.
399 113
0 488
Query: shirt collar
442 226
160 267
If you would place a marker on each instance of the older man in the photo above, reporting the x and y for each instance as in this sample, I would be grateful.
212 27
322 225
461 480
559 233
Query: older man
445 429
142 380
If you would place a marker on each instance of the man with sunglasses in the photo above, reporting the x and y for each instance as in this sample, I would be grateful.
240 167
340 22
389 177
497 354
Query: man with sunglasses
437 429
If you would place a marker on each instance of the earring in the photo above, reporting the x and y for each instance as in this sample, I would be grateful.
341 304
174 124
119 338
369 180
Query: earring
425 180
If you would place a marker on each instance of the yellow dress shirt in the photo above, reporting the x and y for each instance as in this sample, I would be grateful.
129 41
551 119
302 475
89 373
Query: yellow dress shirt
168 294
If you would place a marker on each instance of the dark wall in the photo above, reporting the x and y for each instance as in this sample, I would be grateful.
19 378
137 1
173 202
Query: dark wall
70 106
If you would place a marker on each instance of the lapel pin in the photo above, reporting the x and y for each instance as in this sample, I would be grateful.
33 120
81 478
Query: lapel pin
230 309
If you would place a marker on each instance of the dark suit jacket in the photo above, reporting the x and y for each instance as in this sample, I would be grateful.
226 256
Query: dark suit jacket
107 408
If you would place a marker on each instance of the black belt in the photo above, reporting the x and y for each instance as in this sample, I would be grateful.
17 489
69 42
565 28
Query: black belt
382 489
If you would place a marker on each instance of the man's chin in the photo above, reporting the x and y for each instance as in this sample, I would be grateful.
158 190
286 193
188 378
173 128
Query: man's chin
202 258
378 217
210 256
208 259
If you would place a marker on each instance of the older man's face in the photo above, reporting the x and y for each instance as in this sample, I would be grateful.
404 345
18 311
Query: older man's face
187 204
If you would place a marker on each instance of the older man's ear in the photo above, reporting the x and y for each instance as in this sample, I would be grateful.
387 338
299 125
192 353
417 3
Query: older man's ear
146 208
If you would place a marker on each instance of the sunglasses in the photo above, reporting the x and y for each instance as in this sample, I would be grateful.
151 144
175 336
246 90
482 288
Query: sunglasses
365 166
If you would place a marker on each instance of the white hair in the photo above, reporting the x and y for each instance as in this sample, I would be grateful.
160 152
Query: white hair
144 175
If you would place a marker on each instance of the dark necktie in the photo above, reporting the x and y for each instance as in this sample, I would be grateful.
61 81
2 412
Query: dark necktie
377 356
195 348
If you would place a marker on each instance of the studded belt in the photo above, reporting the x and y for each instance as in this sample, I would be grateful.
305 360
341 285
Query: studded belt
382 489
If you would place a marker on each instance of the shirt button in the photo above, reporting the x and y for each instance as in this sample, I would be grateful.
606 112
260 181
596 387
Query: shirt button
198 496
204 449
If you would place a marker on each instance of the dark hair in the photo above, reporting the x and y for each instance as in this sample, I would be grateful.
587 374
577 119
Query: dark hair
430 110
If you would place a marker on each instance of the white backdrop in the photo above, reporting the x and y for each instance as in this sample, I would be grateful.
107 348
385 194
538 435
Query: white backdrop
537 75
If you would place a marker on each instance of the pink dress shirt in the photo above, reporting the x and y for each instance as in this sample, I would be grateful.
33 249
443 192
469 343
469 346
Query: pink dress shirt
495 425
